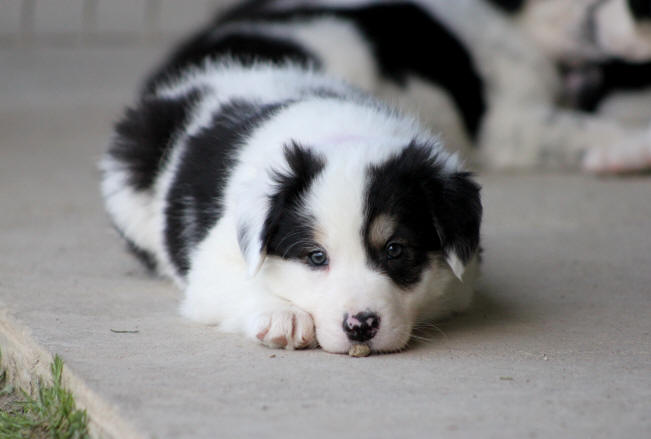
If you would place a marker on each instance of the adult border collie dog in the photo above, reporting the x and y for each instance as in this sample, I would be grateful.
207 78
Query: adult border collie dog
292 207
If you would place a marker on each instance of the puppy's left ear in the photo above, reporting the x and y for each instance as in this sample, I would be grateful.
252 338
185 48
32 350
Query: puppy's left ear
457 211
266 221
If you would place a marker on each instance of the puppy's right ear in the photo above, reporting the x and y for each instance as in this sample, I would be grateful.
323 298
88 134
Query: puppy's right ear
274 210
457 211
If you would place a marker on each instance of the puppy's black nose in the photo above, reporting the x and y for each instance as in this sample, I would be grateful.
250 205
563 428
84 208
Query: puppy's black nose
362 326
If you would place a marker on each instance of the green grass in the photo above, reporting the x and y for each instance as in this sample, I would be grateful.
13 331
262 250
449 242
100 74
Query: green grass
52 414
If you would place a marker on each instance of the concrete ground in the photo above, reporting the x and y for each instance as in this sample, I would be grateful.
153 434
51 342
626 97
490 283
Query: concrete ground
558 344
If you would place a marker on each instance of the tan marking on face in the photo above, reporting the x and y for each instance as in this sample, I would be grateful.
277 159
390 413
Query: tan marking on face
381 230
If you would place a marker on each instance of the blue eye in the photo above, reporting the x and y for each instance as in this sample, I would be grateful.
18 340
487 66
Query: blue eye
318 258
393 250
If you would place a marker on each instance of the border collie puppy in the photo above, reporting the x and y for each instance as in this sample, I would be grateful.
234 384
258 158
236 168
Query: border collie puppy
291 207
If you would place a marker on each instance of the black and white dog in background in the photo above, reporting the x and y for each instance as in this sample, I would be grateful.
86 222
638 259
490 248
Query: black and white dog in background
292 207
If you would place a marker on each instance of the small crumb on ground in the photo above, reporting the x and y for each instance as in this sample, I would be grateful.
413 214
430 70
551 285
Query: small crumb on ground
359 350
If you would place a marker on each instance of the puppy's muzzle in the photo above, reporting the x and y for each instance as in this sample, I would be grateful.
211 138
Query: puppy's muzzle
362 326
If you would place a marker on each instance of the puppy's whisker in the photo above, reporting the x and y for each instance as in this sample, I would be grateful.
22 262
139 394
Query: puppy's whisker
420 338
430 325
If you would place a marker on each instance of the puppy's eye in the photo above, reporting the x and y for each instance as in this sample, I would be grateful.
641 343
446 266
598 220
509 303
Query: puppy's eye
317 258
394 250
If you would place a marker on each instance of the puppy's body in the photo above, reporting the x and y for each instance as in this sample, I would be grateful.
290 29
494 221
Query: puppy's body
284 202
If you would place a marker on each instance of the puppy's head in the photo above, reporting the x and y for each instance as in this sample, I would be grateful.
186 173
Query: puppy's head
366 246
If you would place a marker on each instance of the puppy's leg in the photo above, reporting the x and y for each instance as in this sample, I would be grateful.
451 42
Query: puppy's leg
219 291
242 306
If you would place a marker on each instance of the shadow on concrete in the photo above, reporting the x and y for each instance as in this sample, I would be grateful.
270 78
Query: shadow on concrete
489 314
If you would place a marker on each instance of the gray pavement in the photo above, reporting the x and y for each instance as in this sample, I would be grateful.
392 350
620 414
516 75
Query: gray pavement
558 344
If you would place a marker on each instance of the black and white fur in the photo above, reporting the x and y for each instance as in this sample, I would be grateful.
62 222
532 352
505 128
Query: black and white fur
375 46
291 207
494 91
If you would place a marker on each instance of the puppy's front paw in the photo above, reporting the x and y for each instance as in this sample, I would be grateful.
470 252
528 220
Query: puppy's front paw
289 328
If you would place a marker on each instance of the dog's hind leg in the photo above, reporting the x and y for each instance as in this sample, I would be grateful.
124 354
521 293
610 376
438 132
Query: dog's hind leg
525 135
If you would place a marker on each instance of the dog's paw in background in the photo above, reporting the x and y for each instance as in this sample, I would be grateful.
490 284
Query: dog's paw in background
287 328
631 156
